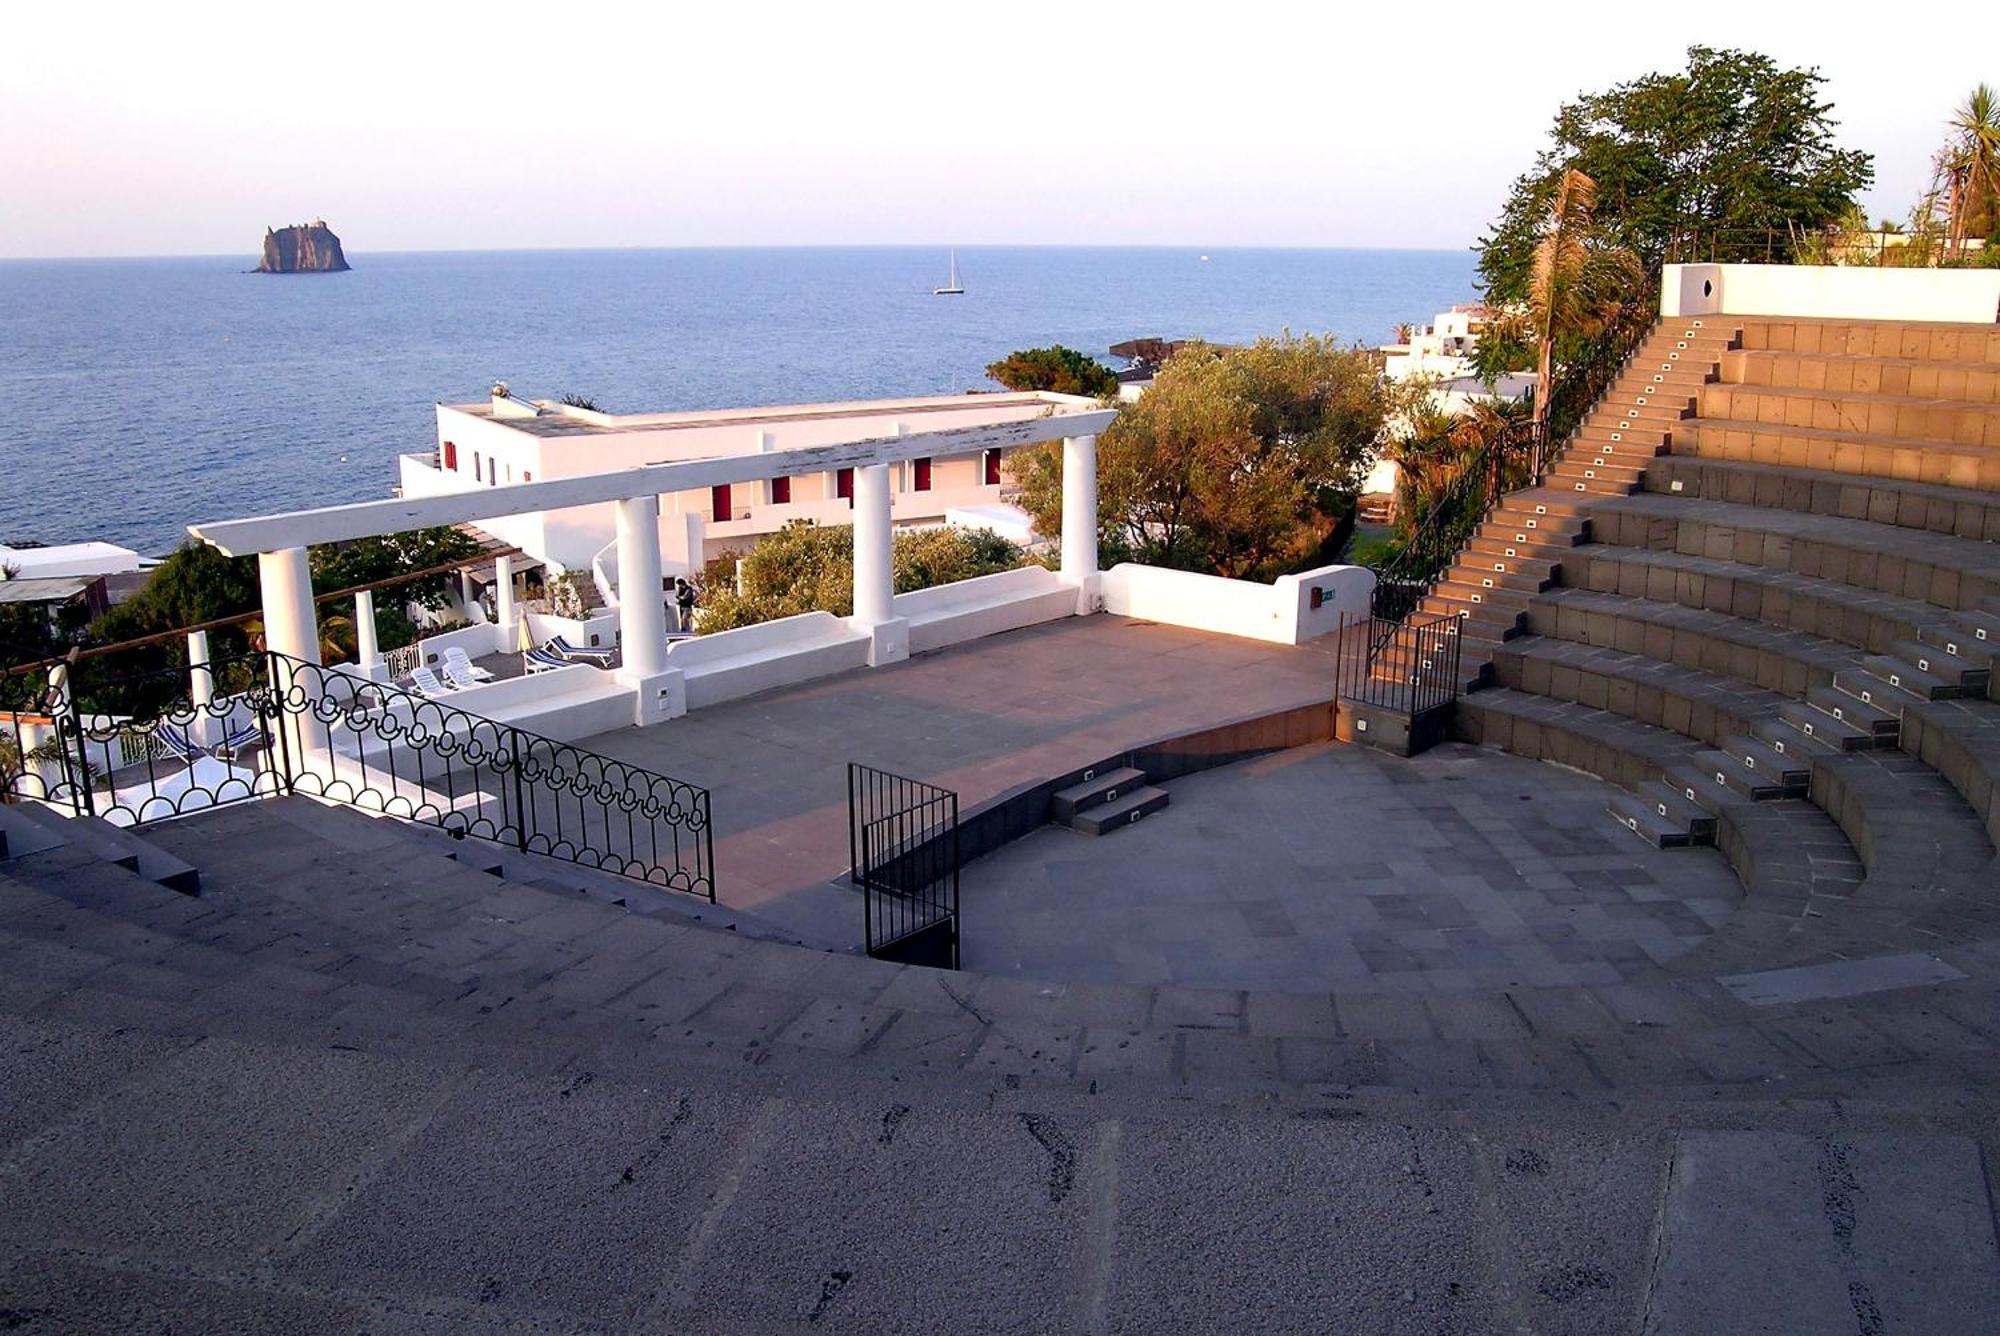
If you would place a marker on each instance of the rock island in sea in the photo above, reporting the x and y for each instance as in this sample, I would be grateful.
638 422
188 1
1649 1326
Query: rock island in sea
304 248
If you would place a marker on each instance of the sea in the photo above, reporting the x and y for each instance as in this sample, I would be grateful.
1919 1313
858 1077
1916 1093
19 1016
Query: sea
138 396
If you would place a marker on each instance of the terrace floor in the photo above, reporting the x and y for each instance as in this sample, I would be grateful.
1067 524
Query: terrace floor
1337 867
978 718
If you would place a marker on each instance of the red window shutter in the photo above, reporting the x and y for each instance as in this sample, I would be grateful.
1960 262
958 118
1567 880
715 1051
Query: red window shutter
923 478
527 476
843 485
781 491
451 455
992 468
718 503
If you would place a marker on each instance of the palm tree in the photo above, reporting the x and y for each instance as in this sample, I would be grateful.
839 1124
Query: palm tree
336 637
1971 164
1578 285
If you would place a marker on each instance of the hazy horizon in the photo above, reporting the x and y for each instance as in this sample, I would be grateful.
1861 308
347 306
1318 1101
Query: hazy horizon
174 134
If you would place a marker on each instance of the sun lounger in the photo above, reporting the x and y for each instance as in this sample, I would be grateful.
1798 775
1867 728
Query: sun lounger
462 669
597 655
427 682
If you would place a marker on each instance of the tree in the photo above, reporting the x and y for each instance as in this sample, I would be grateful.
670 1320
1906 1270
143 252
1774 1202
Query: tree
1970 167
195 584
1722 161
805 567
1577 284
367 560
1243 463
1059 369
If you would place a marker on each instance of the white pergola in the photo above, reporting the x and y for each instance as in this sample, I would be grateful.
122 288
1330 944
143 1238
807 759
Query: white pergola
280 541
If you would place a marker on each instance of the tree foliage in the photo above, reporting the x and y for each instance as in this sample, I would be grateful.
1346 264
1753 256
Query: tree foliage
805 567
1242 462
1711 162
1059 369
366 560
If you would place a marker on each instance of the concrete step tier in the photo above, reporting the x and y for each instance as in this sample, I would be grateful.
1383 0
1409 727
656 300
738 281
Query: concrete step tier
1133 805
1855 453
1951 573
1096 791
30 827
1870 414
1847 373
1916 340
1955 511
1865 619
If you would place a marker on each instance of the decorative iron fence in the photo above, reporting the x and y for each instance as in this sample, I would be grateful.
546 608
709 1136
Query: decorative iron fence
904 852
1411 665
261 725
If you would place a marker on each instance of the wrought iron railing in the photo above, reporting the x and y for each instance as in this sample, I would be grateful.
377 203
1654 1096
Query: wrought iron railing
1411 666
904 852
262 725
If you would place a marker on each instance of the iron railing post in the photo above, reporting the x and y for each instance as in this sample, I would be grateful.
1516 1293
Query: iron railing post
520 790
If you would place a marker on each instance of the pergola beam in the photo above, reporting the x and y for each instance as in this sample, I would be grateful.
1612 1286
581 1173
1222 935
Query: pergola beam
370 519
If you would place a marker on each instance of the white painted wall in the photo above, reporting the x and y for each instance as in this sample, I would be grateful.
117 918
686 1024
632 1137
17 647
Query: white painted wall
987 605
730 664
1963 296
1281 612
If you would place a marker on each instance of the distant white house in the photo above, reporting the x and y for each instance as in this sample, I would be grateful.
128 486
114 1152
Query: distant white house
1440 353
507 439
65 560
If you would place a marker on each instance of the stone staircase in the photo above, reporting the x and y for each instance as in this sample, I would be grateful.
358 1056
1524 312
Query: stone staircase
1794 595
370 1078
1518 551
1107 802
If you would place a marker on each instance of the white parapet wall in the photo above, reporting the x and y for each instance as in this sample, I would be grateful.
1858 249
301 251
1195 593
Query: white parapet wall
986 605
726 665
1831 292
1289 611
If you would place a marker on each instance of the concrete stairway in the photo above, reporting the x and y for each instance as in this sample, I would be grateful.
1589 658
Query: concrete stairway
1805 587
1520 549
1107 802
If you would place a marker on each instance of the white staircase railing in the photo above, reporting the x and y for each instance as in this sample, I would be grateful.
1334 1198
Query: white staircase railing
604 573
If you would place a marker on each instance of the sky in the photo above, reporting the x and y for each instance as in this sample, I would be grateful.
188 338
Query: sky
182 130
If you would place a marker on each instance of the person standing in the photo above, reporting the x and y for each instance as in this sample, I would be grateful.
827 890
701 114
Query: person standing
684 605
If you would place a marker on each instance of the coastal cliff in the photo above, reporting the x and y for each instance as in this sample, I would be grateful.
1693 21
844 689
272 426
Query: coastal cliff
305 248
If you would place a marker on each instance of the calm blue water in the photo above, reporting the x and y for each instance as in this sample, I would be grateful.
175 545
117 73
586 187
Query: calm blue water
144 395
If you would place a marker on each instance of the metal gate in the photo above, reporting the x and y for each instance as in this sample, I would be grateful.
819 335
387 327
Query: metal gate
903 852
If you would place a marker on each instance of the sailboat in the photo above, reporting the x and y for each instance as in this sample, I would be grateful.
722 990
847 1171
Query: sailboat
951 287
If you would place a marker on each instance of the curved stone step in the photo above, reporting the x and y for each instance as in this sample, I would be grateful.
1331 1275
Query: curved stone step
1957 511
1949 572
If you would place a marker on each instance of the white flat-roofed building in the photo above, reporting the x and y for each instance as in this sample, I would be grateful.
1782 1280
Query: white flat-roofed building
508 440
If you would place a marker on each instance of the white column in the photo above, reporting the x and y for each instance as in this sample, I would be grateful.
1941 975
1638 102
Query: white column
873 574
366 651
468 597
291 626
503 579
201 688
642 618
874 569
1079 522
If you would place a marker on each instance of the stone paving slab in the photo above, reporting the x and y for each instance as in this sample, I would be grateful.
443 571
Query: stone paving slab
1777 1232
1840 978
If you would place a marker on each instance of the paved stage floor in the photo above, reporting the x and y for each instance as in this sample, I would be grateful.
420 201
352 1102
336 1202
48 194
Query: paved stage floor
1333 867
978 718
